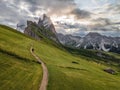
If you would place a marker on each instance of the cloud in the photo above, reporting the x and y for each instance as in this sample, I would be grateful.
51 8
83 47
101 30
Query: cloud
80 14
13 13
17 11
96 12
50 6
114 8
102 21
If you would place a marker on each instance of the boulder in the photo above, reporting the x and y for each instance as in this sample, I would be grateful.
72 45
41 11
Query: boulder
111 71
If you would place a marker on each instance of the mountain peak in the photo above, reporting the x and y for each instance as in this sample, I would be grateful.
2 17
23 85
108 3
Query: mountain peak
45 16
45 21
92 40
44 27
29 23
93 34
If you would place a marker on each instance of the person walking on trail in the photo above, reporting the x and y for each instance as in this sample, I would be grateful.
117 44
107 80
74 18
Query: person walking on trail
32 49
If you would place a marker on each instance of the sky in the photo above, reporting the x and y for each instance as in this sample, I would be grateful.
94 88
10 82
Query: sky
77 17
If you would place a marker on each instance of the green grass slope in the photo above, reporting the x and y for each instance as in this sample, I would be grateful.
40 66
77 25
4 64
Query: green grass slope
18 69
83 75
17 74
109 59
64 74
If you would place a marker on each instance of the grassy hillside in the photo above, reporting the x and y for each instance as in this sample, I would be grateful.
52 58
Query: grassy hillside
83 75
17 74
109 59
66 71
18 69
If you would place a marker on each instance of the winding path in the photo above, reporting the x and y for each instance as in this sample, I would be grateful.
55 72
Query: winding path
44 82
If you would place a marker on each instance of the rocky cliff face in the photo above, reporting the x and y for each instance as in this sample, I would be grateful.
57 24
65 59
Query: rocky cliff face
68 40
92 41
99 42
44 28
28 30
47 23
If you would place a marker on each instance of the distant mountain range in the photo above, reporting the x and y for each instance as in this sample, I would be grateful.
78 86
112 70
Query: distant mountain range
92 40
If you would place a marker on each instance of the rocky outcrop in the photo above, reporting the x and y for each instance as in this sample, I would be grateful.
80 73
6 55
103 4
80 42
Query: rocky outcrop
47 23
28 30
111 71
44 28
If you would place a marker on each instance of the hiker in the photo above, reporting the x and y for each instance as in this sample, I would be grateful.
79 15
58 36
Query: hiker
32 49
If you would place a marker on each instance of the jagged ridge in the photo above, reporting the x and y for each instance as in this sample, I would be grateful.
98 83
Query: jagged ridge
44 28
92 41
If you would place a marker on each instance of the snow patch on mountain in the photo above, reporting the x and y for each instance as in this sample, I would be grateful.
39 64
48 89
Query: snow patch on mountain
92 40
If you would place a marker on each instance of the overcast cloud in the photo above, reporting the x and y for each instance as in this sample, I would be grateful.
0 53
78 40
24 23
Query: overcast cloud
92 14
